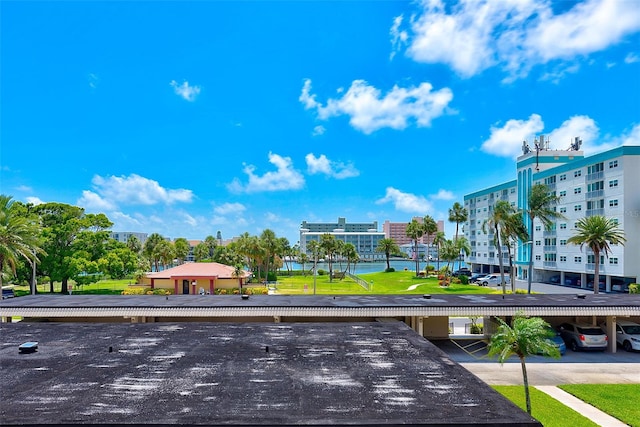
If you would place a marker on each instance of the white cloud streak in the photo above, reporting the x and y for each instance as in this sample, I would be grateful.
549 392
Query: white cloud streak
322 165
284 178
471 36
229 208
370 110
406 202
185 91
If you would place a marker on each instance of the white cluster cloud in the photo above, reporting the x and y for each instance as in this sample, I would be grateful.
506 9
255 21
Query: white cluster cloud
443 195
284 178
471 36
185 91
34 200
131 190
369 110
506 141
406 202
330 168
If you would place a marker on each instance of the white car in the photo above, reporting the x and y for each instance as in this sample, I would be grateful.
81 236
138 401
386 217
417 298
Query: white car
493 279
628 335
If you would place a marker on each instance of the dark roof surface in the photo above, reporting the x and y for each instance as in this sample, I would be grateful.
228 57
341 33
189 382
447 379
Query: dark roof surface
239 373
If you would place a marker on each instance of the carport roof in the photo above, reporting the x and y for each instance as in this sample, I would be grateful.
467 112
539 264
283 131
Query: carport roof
322 306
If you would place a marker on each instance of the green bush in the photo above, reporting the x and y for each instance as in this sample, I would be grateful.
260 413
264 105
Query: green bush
431 268
464 279
634 288
389 270
321 272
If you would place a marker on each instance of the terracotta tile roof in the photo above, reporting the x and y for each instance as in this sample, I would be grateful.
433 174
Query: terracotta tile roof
198 269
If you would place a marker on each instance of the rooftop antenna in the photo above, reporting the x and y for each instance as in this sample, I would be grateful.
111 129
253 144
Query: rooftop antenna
575 146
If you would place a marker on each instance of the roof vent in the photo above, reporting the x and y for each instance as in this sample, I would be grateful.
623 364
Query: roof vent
426 296
581 296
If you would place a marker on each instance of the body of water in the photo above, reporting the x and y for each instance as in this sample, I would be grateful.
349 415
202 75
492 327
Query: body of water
375 267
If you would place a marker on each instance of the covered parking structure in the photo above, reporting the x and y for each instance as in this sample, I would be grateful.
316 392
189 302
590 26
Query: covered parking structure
428 315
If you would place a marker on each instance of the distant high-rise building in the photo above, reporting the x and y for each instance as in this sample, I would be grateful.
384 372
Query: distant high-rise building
123 236
398 232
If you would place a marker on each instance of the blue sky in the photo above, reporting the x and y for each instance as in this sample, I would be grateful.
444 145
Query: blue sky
185 118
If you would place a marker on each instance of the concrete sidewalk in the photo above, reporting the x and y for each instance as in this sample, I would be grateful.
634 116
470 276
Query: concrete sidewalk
546 376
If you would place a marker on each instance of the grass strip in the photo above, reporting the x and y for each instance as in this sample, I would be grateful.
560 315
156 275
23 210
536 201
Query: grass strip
618 400
544 408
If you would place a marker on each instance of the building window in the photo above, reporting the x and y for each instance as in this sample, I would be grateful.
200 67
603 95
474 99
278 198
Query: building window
537 257
577 208
563 226
613 203
577 190
613 164
538 228
563 258
538 242
563 177
613 183
563 243
613 260
577 259
563 193
563 209
513 190
577 173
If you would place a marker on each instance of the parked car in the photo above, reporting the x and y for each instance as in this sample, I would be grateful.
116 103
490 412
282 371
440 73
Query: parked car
462 272
475 276
579 336
568 280
557 340
493 279
7 292
628 335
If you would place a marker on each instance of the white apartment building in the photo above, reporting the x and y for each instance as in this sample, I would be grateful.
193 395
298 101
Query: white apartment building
123 236
606 183
364 236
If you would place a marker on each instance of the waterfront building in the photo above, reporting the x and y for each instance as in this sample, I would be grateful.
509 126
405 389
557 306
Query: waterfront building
398 232
364 236
602 184
123 236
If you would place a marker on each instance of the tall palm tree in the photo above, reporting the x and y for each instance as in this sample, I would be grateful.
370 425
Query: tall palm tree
541 205
458 214
513 230
149 249
496 221
388 246
329 247
182 247
415 231
525 336
269 242
351 254
598 233
438 239
430 227
134 244
18 236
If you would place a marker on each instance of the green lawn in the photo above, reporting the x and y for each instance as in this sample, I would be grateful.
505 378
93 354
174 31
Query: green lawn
399 282
103 287
544 408
618 400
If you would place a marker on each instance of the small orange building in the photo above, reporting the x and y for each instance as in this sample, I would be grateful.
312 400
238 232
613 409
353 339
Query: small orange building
193 278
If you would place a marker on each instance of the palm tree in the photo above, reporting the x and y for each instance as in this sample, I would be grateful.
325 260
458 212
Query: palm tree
415 231
497 219
438 239
388 246
134 245
430 227
329 247
525 337
541 205
598 233
18 236
269 242
149 249
303 259
351 254
458 214
513 230
182 248
200 252
237 273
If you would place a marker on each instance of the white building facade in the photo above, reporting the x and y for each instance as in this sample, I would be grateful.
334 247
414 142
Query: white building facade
606 183
364 236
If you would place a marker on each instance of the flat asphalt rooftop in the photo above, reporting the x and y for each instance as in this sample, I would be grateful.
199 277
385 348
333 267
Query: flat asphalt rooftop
378 373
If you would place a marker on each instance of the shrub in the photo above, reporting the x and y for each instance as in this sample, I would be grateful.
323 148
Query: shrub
221 291
456 281
444 283
389 270
464 279
321 272
430 268
634 288
475 329
441 277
